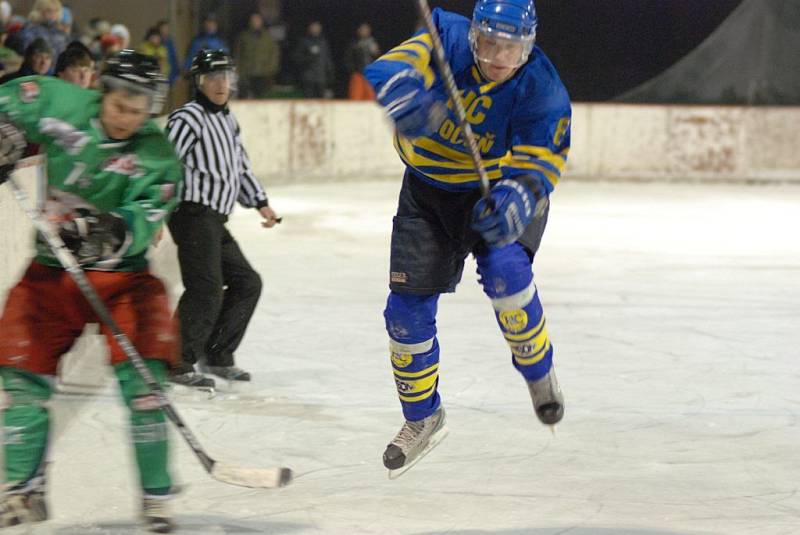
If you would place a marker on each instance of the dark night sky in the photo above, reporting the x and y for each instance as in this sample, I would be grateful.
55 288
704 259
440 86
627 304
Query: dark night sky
600 47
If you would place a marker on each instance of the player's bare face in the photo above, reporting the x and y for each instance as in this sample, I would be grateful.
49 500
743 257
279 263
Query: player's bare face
122 114
216 86
498 59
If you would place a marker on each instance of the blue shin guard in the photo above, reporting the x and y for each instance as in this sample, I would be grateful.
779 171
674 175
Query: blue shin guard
411 324
507 279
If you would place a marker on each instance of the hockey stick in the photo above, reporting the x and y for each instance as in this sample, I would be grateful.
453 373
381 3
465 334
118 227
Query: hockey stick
455 97
233 475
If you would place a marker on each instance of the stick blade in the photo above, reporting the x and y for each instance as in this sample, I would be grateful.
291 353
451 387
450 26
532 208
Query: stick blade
254 478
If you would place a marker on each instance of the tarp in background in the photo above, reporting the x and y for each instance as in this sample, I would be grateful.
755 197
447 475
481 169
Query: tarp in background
753 58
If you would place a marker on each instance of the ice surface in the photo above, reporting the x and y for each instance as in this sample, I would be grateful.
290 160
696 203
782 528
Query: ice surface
674 313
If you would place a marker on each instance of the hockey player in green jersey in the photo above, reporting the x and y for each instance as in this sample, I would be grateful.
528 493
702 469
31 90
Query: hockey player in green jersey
112 176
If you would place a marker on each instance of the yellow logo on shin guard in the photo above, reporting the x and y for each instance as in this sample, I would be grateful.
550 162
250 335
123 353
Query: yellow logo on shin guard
514 321
402 360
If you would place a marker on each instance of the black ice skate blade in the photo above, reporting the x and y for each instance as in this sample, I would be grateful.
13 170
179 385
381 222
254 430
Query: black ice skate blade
434 441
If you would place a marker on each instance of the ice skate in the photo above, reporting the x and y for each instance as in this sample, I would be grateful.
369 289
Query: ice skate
192 379
548 402
413 442
229 373
23 504
156 513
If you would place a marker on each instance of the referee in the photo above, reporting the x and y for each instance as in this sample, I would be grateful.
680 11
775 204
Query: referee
222 289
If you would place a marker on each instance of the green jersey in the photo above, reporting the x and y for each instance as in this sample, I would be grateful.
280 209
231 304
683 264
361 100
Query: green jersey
135 179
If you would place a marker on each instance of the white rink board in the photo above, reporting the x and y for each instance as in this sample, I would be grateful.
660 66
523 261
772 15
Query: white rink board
303 141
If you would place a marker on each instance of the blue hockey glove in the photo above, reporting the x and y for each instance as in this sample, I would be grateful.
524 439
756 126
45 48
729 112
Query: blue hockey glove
503 218
414 110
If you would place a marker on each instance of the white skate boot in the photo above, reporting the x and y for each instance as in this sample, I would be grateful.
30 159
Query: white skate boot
548 401
156 513
24 503
413 442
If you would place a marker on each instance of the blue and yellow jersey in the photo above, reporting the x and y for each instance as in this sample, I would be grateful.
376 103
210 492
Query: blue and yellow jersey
522 125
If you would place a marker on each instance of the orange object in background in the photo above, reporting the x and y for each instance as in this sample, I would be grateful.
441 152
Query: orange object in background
360 88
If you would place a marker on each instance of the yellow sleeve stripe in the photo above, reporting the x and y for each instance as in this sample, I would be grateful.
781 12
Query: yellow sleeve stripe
417 53
521 164
420 64
418 48
424 39
543 153
403 57
535 150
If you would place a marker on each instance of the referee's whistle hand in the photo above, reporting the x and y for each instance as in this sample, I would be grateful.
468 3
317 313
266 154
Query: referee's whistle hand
270 218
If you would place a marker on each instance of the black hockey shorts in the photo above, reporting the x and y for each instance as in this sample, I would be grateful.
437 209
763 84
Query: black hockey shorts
431 237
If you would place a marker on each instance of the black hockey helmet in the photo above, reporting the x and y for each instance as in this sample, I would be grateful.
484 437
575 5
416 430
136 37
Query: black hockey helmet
137 73
207 61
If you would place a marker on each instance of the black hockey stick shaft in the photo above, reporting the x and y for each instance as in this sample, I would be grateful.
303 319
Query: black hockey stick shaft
455 97
71 265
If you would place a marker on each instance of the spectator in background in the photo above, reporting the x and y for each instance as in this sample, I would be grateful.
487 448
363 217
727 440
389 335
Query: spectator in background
5 13
361 52
207 39
123 35
93 36
172 54
65 22
153 46
76 65
9 60
37 60
110 44
314 63
258 58
42 23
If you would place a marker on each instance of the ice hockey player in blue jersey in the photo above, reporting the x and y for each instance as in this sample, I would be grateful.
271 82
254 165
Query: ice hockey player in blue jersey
520 113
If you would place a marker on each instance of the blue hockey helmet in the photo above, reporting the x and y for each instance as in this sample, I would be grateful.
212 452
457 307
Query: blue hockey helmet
508 22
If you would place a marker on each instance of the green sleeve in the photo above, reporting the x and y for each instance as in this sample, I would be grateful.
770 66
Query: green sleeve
149 199
21 100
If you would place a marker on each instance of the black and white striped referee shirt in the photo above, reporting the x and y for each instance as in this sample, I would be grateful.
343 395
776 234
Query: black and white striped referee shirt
216 169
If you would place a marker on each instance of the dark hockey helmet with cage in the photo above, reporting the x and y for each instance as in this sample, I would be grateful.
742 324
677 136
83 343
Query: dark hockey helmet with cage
213 62
136 73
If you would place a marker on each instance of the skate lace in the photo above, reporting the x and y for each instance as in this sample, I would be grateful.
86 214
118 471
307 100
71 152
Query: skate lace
409 433
544 390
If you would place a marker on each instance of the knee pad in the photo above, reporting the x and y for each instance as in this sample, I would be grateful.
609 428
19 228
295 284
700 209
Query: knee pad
505 272
411 319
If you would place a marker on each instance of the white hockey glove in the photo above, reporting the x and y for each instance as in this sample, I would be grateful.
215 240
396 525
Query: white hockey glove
93 237
12 147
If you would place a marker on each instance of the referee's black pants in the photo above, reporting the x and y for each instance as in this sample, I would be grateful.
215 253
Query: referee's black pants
221 288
